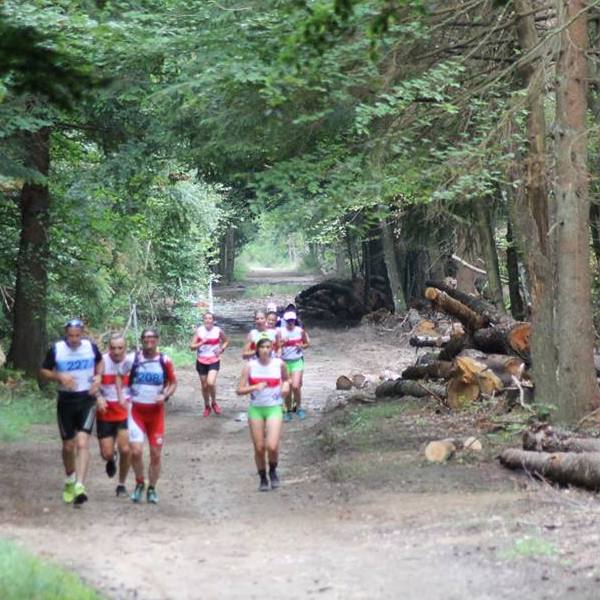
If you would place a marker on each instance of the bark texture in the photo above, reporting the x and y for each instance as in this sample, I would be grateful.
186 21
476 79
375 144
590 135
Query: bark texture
29 338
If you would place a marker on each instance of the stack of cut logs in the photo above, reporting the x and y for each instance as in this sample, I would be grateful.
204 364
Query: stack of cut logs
559 458
486 354
340 301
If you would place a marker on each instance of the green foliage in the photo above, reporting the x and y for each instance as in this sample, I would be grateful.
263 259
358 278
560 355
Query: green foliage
22 405
25 576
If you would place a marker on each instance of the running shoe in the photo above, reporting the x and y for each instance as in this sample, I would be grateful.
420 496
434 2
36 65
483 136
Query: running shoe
138 493
274 479
120 490
206 412
69 492
80 494
151 496
264 484
301 414
111 467
287 416
216 408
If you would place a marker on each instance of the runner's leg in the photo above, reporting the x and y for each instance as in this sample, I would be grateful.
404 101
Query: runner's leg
273 438
297 388
124 454
205 390
107 447
82 441
211 384
69 455
257 433
154 470
137 460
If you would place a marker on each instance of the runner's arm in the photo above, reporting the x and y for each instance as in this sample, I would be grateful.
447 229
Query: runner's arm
48 371
285 380
224 342
247 352
101 403
305 339
244 387
195 342
98 371
171 384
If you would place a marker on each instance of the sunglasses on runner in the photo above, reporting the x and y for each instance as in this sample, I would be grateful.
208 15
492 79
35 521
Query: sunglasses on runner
74 323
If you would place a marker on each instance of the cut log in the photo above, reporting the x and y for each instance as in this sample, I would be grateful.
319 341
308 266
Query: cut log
401 387
343 383
468 370
359 380
462 394
545 439
505 338
427 358
471 320
429 341
454 347
565 468
504 366
440 451
435 370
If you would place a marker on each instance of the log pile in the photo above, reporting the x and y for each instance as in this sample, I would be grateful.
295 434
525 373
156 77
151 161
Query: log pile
484 355
557 456
341 301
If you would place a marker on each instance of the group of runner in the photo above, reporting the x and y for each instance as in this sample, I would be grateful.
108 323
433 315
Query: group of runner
125 393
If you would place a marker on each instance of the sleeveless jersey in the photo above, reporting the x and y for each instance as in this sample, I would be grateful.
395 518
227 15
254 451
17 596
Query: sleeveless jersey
256 335
207 353
79 362
114 411
271 375
291 342
148 381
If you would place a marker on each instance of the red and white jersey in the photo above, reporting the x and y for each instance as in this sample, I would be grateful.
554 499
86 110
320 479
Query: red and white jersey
256 335
269 374
291 343
114 411
150 378
209 352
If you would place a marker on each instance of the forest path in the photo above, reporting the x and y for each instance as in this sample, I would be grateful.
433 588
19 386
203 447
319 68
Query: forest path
214 536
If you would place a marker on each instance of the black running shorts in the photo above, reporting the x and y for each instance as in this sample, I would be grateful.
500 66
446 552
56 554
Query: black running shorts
76 415
204 369
106 429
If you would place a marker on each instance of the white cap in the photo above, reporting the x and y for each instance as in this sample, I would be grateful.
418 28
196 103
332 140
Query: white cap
271 307
289 315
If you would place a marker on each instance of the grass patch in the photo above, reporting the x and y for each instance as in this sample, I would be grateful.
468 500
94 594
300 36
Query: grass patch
22 405
181 357
22 575
529 547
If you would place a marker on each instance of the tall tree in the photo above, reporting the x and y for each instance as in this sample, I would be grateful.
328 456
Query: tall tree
577 387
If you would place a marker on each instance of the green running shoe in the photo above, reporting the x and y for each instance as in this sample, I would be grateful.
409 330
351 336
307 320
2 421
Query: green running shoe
80 493
69 492
151 496
138 493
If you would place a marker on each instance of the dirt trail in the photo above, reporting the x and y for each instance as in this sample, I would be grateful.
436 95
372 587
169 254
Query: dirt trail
214 536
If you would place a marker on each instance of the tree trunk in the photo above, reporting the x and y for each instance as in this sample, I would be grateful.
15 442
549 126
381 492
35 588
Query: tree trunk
487 241
517 307
577 387
532 210
29 338
391 264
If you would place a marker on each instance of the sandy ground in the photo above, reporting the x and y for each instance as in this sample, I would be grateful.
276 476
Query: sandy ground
447 532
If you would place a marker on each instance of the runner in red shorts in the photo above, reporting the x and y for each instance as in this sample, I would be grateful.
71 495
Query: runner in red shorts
152 381
112 409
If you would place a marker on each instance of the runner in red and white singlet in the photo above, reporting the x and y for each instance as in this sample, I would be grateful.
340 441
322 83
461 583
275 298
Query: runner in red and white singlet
260 331
209 342
152 381
112 409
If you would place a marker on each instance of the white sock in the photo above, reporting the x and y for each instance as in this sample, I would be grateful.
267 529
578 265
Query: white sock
71 478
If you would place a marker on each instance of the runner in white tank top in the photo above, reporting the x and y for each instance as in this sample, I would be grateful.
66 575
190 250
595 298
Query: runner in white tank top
209 342
293 340
265 379
260 330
